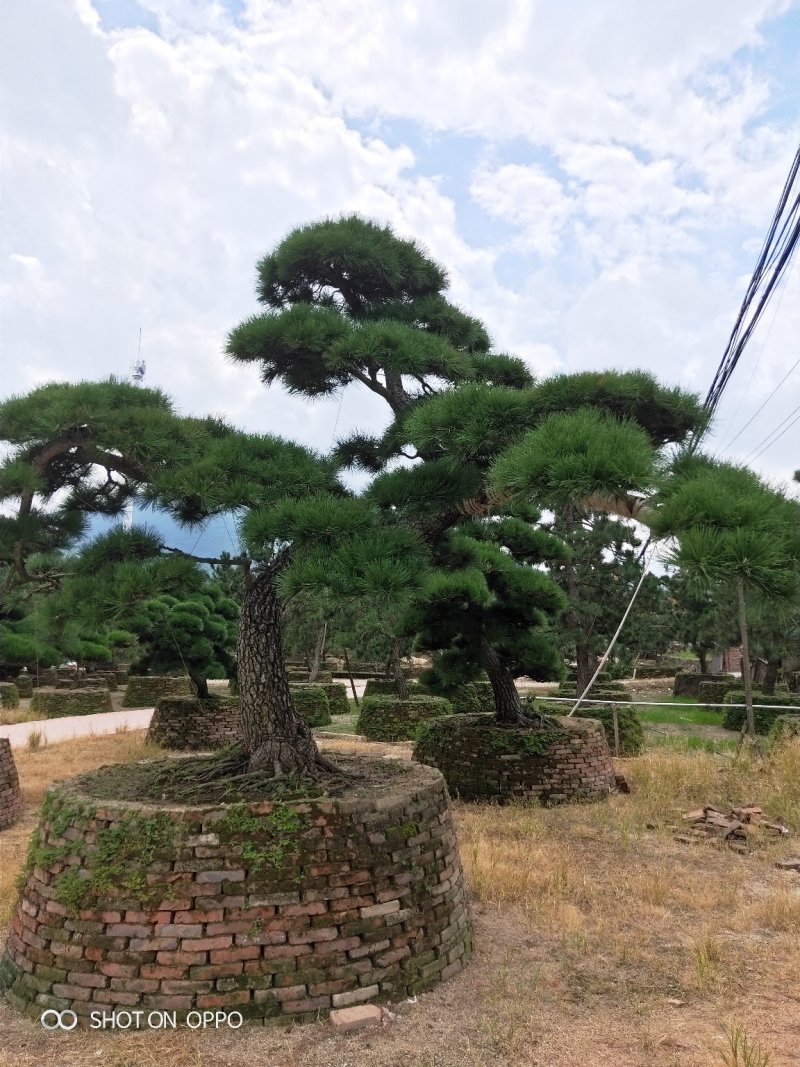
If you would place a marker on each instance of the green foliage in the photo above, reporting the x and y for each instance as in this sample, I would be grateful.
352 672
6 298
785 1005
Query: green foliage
388 718
785 727
312 704
9 695
577 456
629 725
764 716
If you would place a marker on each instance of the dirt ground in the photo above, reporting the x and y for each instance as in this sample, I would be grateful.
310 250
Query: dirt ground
602 940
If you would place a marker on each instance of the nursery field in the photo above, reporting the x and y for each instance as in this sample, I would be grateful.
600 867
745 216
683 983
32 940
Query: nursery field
601 938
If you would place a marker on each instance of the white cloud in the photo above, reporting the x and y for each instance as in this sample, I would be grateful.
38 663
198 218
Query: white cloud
147 172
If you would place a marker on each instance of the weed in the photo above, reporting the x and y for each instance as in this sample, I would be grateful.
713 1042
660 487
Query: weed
36 740
742 1051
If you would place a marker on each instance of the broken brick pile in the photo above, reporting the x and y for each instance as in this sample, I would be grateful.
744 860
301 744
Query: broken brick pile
10 799
735 828
264 908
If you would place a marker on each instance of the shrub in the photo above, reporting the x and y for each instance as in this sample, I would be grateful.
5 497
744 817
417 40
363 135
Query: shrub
714 692
388 718
469 698
9 695
311 702
764 716
337 698
687 683
379 687
631 731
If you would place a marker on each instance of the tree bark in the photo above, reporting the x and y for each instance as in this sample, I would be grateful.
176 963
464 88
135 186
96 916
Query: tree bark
350 676
771 675
397 670
275 738
585 663
508 706
319 651
702 657
746 675
200 683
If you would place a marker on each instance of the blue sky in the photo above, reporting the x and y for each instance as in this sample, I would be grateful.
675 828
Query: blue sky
597 178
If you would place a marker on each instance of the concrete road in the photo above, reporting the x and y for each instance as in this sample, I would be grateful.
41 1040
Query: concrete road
53 730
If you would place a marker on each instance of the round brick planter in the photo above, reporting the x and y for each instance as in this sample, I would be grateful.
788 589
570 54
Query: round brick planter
482 760
56 703
190 724
10 799
144 690
264 908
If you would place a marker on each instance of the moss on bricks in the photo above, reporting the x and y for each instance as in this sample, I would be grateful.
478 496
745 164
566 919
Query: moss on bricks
311 702
57 703
9 695
388 718
145 690
631 731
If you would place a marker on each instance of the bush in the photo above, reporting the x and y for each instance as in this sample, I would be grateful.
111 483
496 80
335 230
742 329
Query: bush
469 698
631 731
785 727
714 692
58 703
379 687
311 703
687 683
388 718
764 717
9 695
337 698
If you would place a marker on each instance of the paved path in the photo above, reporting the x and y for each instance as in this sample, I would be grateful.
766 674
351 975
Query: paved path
106 722
70 726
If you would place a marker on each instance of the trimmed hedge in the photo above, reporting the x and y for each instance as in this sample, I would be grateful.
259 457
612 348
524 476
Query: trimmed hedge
145 690
311 703
59 703
337 698
714 692
388 718
380 687
471 698
631 731
785 727
687 683
763 717
9 695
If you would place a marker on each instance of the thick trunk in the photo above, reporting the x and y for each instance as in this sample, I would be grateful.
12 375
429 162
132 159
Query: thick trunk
746 676
275 738
702 656
586 663
397 670
319 652
508 706
200 683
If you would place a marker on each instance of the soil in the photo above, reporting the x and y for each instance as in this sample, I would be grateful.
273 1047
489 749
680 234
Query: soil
196 780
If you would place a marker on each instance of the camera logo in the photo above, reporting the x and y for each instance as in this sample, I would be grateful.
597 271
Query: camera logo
59 1020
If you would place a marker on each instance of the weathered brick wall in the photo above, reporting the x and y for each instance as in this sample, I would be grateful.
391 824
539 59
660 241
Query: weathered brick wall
190 724
388 718
10 800
481 759
56 703
269 909
145 690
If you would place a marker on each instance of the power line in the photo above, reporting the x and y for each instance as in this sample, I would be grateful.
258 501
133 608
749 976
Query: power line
765 440
775 256
761 408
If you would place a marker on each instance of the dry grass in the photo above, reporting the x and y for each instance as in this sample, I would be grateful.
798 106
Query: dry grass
601 939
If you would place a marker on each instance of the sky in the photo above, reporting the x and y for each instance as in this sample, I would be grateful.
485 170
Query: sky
596 177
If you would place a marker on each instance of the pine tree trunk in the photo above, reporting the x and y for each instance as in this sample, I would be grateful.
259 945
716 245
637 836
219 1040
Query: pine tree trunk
397 670
275 738
771 675
200 683
702 657
585 665
746 675
508 706
319 651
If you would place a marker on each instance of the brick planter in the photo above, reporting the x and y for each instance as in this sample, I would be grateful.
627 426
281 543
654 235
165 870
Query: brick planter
10 799
481 760
145 690
388 718
191 724
687 683
57 703
264 908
